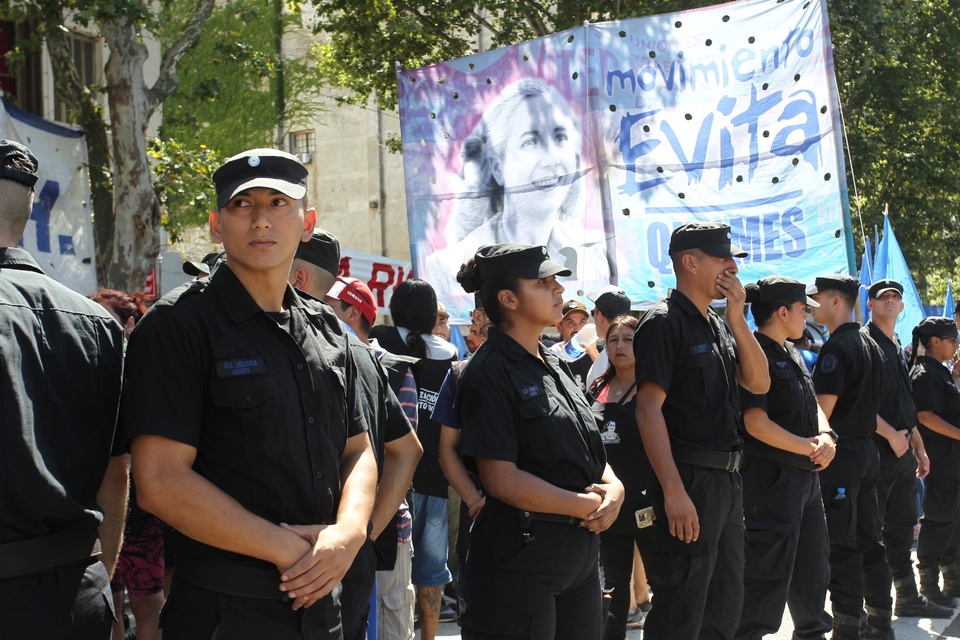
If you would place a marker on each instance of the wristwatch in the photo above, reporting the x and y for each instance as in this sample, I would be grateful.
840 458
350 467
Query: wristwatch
833 434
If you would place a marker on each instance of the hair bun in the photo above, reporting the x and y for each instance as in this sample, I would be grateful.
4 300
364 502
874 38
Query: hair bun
469 276
753 292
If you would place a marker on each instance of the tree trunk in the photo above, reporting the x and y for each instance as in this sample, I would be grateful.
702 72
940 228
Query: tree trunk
136 241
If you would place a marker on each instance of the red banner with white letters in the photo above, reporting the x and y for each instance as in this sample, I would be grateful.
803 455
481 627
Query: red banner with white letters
382 275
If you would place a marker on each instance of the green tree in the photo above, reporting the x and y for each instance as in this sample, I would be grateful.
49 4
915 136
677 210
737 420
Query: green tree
895 62
126 209
242 86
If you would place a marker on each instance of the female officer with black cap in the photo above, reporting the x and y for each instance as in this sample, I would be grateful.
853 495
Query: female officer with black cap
788 441
526 426
938 408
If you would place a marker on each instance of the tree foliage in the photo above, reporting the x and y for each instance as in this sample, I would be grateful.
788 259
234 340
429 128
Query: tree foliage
896 69
236 92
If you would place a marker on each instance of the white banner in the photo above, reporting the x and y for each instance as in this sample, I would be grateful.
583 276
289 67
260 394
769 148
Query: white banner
59 234
382 275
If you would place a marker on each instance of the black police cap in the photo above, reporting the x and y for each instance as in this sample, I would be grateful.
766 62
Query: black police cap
780 288
267 168
839 282
713 238
519 260
882 286
18 163
322 250
936 327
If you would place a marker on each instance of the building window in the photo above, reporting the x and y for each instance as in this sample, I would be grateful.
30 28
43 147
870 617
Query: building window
85 59
303 144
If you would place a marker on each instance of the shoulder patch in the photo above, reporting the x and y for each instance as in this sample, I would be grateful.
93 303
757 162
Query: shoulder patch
829 363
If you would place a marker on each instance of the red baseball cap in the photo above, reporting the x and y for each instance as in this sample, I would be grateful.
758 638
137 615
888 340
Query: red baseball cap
355 292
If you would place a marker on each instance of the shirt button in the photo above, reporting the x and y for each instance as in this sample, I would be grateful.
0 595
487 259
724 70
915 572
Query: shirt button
319 474
299 365
247 397
311 420
545 410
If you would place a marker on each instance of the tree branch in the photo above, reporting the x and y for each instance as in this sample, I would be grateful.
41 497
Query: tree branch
167 81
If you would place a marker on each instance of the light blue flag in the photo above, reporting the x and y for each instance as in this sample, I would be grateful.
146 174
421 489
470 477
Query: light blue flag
948 305
866 278
892 265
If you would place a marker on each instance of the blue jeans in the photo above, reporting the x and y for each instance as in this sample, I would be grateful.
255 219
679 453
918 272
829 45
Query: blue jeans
430 541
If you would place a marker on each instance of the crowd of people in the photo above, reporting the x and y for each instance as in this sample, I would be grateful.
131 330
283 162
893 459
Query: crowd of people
292 465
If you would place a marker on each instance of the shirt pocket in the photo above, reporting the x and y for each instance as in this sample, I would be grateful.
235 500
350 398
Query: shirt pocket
538 436
247 402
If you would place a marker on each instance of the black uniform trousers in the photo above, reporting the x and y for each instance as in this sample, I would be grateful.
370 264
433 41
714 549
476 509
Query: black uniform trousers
616 558
544 589
858 562
73 602
698 586
357 586
786 553
897 501
939 541
194 613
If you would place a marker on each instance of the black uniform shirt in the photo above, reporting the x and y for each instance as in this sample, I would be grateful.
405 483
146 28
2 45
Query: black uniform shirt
896 402
61 357
791 401
934 390
695 360
850 367
268 407
513 407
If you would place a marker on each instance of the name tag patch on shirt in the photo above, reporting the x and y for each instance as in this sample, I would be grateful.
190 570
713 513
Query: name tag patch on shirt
531 392
700 349
781 364
245 366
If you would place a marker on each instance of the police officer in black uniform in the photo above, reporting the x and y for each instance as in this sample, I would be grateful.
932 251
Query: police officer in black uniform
64 478
849 382
938 407
901 450
689 364
527 428
246 428
788 441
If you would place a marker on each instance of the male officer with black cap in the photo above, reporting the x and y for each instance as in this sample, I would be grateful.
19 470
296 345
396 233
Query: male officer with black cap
246 426
398 450
64 476
899 462
849 380
689 366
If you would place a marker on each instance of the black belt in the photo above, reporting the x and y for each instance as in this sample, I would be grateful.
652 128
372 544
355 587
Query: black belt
529 516
765 451
232 578
725 460
36 555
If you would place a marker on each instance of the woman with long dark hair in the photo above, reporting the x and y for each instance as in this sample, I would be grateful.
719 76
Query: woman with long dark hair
615 408
528 431
937 400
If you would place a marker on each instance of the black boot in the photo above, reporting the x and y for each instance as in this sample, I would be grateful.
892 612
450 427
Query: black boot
845 627
930 587
951 579
879 625
911 604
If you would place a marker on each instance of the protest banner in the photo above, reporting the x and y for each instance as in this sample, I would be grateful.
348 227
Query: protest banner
59 234
599 141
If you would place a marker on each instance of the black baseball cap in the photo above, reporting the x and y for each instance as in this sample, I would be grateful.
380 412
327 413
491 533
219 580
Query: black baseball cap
267 168
782 288
713 238
838 282
520 260
322 250
18 163
882 286
936 327
203 267
612 304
